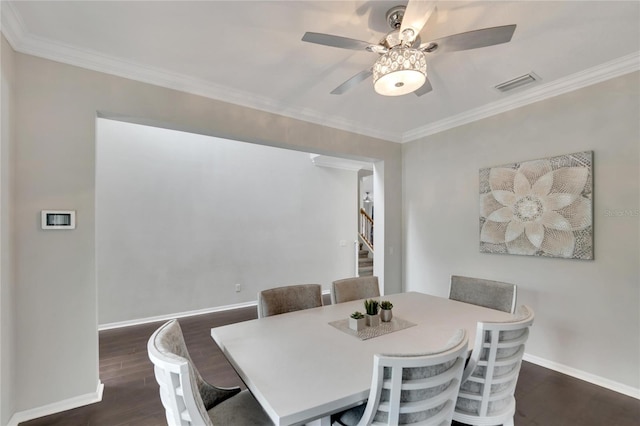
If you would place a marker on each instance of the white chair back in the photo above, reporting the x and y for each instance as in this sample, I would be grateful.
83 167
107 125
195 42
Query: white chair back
416 389
489 380
177 378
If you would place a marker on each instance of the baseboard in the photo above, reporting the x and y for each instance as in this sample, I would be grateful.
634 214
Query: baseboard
583 375
57 407
167 317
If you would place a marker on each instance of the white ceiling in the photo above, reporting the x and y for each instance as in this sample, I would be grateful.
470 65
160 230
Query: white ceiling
250 53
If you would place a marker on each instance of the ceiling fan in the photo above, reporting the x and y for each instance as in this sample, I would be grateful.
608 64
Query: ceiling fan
402 65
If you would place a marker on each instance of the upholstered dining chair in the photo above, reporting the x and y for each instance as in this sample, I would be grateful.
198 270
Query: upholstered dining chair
490 377
355 288
412 389
187 398
281 300
490 294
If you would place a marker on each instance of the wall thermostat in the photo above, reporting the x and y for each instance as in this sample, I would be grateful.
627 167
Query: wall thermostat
58 219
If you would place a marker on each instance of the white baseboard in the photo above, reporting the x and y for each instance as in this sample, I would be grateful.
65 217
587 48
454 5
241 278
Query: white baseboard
57 407
583 375
168 317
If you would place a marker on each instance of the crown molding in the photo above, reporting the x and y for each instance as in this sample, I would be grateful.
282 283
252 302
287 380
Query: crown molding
11 24
597 74
24 42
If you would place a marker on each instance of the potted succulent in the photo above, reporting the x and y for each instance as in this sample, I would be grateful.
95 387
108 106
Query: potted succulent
371 308
357 321
385 313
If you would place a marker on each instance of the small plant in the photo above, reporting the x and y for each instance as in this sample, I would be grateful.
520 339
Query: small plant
371 306
357 321
386 314
386 305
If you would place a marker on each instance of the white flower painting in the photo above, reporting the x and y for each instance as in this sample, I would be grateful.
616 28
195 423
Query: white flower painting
539 207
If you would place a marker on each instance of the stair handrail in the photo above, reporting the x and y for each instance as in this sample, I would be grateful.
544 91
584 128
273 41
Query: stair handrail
366 228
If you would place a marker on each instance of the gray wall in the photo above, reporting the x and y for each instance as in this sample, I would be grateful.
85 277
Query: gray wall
7 330
55 313
181 218
587 312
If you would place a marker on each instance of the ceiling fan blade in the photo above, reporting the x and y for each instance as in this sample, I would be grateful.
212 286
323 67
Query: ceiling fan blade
415 16
335 41
474 39
424 89
352 82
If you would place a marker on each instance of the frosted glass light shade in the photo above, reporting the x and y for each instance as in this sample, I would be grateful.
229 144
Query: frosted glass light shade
399 71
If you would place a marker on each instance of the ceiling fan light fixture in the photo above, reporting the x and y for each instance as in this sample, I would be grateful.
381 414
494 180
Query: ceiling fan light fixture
399 71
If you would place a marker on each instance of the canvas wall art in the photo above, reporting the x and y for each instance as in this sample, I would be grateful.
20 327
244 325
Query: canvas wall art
539 207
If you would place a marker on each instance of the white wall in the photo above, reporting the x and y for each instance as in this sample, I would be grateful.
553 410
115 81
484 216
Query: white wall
56 314
587 312
181 218
7 330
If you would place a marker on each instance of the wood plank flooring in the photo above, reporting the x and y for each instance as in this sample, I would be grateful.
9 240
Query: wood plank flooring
544 397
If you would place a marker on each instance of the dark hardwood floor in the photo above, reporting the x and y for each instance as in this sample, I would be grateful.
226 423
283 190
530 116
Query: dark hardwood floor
544 397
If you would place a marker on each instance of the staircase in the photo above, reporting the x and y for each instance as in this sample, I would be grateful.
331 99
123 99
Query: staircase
365 263
365 256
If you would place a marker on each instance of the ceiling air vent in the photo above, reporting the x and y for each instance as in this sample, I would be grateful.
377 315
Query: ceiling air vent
523 80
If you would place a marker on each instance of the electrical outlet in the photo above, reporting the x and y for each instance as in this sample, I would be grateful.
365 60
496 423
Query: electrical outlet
238 288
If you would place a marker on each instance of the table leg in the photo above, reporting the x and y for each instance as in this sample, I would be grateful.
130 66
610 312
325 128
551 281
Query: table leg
324 421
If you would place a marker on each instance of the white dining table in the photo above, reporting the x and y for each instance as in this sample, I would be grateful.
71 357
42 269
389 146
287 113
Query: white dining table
301 369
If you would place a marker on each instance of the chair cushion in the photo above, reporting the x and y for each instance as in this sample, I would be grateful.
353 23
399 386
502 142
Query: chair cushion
350 417
501 407
349 289
239 410
491 294
280 300
170 341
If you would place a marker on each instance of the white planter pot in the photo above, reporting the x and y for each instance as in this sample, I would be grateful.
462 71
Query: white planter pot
357 324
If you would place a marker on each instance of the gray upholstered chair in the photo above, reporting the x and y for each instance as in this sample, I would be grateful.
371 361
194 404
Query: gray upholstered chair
355 288
412 389
487 293
281 300
490 377
187 398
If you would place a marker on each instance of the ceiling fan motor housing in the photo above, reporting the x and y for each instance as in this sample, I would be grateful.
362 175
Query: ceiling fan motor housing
394 16
393 38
